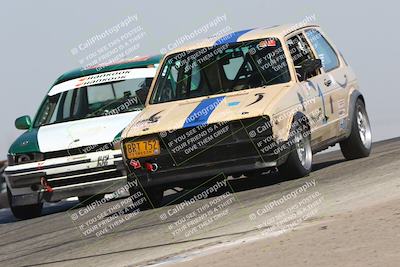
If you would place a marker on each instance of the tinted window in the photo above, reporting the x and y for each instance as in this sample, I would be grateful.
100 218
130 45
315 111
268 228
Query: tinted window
324 50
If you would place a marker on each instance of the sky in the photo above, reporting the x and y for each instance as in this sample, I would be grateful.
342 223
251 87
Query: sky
40 40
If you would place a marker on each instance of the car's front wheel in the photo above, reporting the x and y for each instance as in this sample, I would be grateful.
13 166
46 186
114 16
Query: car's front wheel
299 160
24 212
359 143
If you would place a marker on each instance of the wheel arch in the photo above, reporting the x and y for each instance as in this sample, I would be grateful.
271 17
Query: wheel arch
282 128
301 117
355 95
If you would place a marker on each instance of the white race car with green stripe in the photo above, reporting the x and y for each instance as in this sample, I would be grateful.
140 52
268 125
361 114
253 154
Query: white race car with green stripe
71 147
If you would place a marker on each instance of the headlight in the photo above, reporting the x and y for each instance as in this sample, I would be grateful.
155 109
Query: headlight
24 158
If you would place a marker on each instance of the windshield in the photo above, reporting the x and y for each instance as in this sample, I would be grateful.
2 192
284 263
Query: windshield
220 69
94 101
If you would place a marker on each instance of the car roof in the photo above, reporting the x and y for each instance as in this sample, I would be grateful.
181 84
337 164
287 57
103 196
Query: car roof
136 62
279 31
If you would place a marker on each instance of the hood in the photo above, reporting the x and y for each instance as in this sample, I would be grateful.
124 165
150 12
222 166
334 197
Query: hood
204 110
25 143
80 133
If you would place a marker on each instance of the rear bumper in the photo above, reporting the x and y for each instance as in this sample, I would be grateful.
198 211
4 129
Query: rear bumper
80 175
238 147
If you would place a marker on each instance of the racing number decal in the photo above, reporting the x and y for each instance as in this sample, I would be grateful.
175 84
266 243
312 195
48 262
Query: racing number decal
102 161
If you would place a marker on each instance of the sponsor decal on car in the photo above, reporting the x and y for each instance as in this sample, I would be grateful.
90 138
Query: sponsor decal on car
202 112
259 96
135 164
233 104
106 77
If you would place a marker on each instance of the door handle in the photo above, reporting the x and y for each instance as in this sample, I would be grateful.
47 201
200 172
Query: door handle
328 82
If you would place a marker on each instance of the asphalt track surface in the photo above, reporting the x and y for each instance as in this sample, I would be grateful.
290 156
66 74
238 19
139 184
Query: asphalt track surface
245 209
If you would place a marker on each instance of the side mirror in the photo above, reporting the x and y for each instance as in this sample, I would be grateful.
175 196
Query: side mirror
309 66
23 123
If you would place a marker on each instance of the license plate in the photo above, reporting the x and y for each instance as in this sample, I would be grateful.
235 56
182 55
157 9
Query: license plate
142 149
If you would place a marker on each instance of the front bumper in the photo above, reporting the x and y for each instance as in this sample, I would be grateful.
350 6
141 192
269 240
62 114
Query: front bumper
78 175
226 148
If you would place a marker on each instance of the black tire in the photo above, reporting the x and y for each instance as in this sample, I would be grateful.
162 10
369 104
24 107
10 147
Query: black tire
359 143
90 199
24 212
299 143
153 195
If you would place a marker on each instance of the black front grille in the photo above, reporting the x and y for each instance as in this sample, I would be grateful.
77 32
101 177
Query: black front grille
220 142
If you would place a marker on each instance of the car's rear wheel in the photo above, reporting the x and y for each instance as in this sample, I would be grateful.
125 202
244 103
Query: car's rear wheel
299 161
359 143
24 212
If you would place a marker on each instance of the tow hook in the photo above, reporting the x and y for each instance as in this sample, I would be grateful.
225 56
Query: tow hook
46 186
151 167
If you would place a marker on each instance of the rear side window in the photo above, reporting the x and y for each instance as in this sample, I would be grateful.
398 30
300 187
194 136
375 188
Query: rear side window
324 50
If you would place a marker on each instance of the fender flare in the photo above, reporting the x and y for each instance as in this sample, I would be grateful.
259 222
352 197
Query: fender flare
355 95
299 116
302 119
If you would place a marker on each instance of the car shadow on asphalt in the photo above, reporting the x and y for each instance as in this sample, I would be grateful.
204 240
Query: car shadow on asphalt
174 197
326 164
244 183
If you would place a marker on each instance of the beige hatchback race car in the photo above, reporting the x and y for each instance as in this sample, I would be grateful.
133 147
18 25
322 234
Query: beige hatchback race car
244 103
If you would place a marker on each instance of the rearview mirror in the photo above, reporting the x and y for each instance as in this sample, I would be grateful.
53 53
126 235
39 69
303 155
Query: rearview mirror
310 65
23 123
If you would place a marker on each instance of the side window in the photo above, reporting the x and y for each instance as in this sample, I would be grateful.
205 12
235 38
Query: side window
325 51
195 77
169 80
300 51
67 105
47 110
